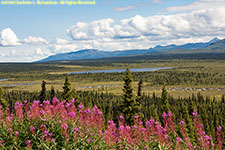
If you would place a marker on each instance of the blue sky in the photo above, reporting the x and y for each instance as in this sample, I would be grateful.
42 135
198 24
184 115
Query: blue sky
32 32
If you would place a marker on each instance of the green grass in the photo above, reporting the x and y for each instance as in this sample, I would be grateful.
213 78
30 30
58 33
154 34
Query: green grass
53 75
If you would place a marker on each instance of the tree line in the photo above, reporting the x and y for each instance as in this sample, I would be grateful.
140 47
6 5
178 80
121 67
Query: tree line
211 111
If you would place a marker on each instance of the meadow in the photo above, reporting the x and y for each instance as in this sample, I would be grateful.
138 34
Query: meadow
195 74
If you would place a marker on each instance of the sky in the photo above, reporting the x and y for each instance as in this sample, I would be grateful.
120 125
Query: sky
33 32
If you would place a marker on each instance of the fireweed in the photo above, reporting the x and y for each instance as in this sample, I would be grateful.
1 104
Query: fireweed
59 125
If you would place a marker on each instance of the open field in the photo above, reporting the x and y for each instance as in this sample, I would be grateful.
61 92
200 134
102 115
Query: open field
207 76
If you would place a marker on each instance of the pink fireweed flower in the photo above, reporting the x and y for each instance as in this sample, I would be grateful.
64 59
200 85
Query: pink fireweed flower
17 133
46 132
134 127
81 107
189 145
29 145
71 114
42 112
19 111
181 122
219 137
43 126
53 140
136 117
121 117
43 137
121 128
178 139
64 126
143 129
164 115
2 142
55 101
87 110
65 132
195 114
219 128
169 114
76 129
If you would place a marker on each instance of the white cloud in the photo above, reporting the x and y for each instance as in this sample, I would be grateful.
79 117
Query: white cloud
12 53
8 38
191 26
35 40
87 31
129 7
56 48
138 5
198 5
39 51
60 41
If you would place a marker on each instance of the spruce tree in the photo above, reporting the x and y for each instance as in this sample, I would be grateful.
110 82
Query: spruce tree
67 89
140 86
129 106
52 92
3 102
190 127
164 100
43 91
1 92
73 94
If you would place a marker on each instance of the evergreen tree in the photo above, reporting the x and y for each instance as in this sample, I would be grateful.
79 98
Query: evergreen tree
1 92
139 98
140 86
3 102
73 94
67 89
191 107
190 127
164 100
52 92
43 91
129 106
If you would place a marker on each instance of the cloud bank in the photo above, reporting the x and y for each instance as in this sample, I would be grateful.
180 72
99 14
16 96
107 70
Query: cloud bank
35 40
198 24
8 38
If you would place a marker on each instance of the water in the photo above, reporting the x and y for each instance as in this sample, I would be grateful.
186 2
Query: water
121 70
16 84
3 79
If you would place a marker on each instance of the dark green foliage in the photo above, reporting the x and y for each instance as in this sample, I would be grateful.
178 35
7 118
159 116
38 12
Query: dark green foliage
164 100
188 119
1 92
73 94
129 106
52 92
210 111
3 102
67 89
140 86
43 91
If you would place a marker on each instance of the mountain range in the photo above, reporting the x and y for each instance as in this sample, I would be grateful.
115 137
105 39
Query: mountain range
215 45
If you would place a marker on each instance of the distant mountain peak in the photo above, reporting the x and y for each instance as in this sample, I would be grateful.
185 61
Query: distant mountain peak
214 40
213 44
